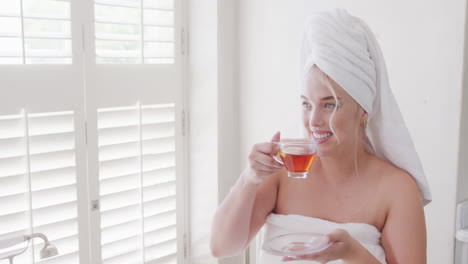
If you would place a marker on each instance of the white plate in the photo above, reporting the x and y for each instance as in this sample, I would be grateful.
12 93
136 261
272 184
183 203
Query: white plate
295 244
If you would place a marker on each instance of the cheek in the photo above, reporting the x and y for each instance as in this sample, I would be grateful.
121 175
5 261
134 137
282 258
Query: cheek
345 125
305 118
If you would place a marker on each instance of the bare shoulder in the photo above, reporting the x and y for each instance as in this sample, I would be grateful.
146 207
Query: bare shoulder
404 231
397 183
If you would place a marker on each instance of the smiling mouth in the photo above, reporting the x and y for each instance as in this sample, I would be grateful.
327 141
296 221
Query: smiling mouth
321 135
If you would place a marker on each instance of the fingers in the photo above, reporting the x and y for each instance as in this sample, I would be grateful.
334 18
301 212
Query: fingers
261 167
264 165
338 235
317 257
276 137
288 259
323 256
339 248
261 161
265 159
267 148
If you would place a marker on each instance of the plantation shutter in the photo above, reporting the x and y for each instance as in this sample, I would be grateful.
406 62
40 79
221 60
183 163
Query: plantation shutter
38 180
63 134
42 153
134 108
137 184
134 31
35 32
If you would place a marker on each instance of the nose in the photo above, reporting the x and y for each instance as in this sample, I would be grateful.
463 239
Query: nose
315 119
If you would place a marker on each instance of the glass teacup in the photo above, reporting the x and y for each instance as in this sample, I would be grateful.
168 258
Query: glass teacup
297 155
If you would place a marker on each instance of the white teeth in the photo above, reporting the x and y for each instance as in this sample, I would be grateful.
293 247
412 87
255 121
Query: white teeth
322 135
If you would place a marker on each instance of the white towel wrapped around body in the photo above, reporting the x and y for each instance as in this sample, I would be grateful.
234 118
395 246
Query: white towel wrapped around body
276 224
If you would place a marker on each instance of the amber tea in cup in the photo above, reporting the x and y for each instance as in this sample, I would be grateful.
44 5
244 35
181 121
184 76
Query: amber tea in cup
297 156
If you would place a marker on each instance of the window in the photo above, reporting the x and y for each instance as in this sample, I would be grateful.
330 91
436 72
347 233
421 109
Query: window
35 32
91 153
134 31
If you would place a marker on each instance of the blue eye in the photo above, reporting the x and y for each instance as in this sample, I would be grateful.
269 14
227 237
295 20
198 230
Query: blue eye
306 105
330 106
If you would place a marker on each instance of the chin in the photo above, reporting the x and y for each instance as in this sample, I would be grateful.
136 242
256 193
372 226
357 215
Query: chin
323 154
328 148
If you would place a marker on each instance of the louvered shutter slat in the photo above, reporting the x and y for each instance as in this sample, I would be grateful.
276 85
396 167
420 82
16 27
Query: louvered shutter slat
167 259
120 232
15 223
118 249
120 199
12 166
158 161
120 184
158 221
60 213
121 3
60 230
159 176
120 215
46 7
13 204
127 150
11 127
161 4
12 185
120 135
155 33
160 191
160 206
53 178
162 250
129 256
161 236
53 196
158 17
52 161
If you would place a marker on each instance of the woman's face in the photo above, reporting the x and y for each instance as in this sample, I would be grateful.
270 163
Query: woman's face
318 105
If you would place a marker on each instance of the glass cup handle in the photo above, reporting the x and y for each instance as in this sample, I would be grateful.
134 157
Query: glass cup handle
276 156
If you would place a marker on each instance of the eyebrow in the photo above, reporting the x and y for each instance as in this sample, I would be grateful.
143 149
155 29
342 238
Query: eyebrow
323 99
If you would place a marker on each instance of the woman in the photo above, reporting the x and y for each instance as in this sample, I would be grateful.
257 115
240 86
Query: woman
366 188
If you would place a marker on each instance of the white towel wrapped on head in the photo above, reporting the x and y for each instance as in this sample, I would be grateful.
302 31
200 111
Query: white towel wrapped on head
344 48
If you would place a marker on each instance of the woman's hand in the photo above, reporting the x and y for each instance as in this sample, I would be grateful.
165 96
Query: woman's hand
261 161
343 246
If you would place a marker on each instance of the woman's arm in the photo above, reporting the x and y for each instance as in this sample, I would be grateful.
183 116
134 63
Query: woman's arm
404 233
244 211
231 230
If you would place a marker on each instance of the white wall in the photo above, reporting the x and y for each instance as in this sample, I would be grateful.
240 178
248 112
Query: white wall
422 42
214 118
202 126
463 158
462 185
